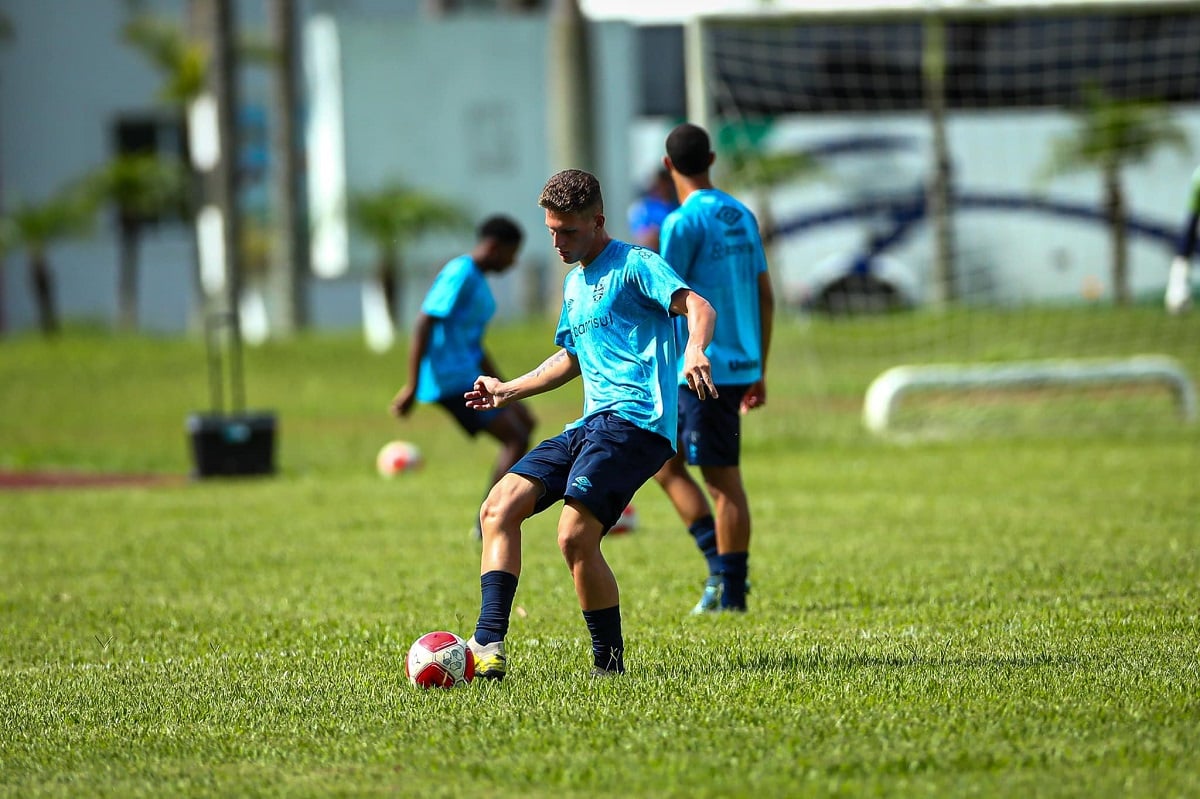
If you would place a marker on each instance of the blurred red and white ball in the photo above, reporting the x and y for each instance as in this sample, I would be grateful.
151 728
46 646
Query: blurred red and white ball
627 523
396 457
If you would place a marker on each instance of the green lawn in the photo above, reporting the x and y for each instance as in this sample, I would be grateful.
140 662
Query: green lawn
990 615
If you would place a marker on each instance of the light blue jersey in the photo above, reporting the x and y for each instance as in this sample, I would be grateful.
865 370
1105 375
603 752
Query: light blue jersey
712 241
461 304
616 321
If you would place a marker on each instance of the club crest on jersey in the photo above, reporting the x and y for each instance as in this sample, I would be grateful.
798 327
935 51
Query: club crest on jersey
729 215
598 291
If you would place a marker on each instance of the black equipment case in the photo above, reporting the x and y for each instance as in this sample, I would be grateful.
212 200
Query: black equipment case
234 443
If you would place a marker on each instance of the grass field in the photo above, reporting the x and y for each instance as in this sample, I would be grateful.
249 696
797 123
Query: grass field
997 615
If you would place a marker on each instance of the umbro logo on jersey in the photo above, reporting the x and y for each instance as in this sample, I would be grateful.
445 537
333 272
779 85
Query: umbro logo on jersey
582 483
729 215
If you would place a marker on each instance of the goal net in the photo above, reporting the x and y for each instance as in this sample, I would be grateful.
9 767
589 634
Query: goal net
997 187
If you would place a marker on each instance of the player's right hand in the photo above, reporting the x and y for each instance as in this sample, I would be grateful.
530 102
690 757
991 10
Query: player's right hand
483 396
403 402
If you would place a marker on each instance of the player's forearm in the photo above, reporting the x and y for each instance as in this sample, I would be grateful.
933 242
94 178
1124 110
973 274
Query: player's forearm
558 369
418 346
701 321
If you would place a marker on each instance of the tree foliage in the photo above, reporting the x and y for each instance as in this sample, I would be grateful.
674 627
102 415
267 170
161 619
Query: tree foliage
1109 134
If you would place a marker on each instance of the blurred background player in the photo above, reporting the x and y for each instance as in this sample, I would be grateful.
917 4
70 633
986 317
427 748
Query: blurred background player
647 212
712 241
616 331
1179 284
446 352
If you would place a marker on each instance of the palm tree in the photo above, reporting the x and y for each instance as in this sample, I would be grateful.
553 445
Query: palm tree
392 217
1111 134
184 63
34 228
142 187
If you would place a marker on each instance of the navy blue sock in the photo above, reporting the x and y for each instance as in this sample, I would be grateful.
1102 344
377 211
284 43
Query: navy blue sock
608 647
734 567
498 589
705 532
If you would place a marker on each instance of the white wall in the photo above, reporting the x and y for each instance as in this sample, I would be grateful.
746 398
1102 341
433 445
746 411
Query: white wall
458 107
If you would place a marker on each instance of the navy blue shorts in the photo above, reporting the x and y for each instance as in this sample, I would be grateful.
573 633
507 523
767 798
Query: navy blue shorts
600 464
471 421
710 430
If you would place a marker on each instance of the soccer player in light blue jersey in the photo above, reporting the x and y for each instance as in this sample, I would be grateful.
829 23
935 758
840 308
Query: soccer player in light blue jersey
1178 297
616 332
712 241
446 351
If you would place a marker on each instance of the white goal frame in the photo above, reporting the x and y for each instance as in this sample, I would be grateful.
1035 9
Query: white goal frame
885 393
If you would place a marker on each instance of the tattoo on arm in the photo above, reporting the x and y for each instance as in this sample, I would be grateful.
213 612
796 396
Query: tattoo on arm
549 363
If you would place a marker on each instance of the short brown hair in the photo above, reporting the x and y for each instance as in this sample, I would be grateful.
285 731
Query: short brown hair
572 191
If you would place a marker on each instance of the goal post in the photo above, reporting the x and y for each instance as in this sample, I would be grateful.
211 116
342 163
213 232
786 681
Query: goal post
962 208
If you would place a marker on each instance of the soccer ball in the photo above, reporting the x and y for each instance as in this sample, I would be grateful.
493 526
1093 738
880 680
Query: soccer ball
627 523
397 457
439 660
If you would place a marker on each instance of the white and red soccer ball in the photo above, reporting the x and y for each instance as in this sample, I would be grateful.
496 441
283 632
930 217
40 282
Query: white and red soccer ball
627 523
396 457
439 660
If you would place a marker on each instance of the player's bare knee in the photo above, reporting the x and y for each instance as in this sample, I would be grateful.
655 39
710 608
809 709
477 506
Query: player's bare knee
578 534
574 544
509 502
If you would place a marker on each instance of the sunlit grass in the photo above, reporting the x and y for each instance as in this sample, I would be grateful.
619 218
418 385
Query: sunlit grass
969 616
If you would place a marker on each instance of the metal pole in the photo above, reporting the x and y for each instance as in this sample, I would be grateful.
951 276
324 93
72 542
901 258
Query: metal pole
570 90
938 196
700 108
289 267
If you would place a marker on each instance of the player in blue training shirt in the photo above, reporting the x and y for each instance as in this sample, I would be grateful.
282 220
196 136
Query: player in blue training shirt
1178 297
712 241
648 211
446 351
616 331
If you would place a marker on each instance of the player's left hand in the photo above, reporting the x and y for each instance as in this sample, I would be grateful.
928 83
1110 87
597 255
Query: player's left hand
755 396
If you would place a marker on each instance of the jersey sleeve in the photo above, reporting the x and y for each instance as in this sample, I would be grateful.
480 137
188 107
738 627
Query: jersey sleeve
446 289
563 336
760 252
657 281
678 243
